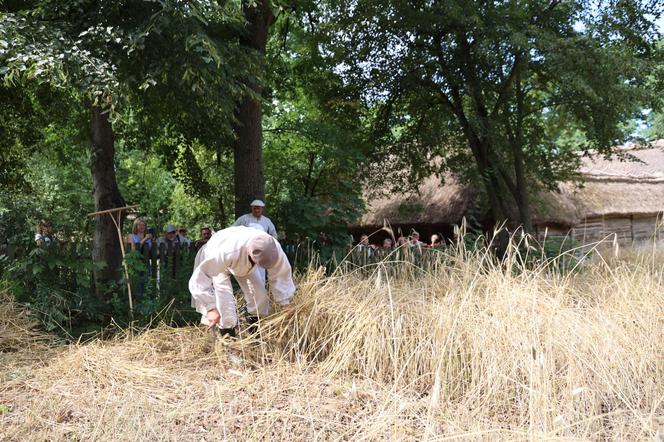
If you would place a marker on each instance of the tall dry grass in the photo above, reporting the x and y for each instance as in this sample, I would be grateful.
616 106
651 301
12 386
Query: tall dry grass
468 347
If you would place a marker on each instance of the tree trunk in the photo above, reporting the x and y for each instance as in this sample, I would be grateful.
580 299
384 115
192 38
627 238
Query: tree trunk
481 148
105 243
489 181
248 154
521 197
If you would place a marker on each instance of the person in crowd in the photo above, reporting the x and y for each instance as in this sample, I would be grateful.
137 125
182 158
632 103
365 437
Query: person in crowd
454 240
44 233
206 233
414 240
365 246
182 236
323 240
170 236
387 244
138 239
239 252
364 243
401 241
139 235
257 220
436 241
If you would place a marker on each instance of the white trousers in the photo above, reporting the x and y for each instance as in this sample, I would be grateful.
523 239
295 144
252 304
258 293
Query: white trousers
255 294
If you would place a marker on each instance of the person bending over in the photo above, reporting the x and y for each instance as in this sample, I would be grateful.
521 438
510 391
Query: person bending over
239 252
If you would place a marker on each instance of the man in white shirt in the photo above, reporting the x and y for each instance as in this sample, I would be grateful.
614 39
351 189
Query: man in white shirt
256 219
238 252
415 240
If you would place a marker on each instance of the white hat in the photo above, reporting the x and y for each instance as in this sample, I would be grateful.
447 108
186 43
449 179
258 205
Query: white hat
170 228
263 250
257 203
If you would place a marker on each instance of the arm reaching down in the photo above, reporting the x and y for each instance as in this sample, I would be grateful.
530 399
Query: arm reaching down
281 280
201 281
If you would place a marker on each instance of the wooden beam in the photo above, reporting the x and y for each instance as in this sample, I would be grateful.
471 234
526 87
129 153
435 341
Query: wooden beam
117 209
111 213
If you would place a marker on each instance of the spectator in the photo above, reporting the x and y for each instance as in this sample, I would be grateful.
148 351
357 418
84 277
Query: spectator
44 233
256 219
436 241
415 240
182 236
239 252
137 239
364 243
455 238
402 240
387 244
364 246
206 233
170 237
139 236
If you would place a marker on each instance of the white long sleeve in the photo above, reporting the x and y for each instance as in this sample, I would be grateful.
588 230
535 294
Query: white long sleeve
263 223
226 254
281 280
201 281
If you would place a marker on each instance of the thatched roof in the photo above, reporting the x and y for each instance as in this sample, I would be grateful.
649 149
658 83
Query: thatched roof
649 168
435 203
611 187
599 198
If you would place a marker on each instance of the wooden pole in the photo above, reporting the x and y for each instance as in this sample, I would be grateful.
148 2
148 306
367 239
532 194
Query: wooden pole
111 213
117 209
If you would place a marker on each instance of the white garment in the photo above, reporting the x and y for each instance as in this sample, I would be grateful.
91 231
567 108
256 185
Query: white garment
225 254
249 220
40 237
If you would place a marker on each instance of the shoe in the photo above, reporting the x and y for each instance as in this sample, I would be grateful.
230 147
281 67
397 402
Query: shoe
230 332
252 324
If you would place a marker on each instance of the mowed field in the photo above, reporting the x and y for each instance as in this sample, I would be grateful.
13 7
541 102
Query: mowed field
463 348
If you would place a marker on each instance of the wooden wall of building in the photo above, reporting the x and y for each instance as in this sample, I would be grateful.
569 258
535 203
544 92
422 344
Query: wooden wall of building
630 229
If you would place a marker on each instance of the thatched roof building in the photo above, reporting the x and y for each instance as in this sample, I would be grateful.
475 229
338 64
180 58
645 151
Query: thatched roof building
618 196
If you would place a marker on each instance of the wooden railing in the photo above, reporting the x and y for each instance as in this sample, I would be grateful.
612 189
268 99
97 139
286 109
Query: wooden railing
167 260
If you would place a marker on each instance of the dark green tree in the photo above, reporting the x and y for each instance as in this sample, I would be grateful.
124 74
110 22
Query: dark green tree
315 145
480 88
172 59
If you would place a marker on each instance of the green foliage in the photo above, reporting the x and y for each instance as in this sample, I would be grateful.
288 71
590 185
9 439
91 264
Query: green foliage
562 254
143 180
315 147
55 282
655 126
486 87
157 292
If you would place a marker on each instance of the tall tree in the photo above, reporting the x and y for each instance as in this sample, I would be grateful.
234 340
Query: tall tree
160 54
474 82
315 146
106 195
247 146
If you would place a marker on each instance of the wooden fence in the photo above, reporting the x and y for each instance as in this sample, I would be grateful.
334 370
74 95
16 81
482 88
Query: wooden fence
167 261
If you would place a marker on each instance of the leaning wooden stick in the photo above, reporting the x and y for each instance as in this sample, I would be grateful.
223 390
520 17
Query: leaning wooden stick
111 213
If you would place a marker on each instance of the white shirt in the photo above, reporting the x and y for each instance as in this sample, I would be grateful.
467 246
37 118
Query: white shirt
263 223
226 254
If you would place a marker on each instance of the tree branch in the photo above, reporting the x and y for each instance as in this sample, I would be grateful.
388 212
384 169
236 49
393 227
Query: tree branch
507 84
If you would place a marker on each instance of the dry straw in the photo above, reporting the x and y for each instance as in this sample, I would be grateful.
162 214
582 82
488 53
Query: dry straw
465 347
